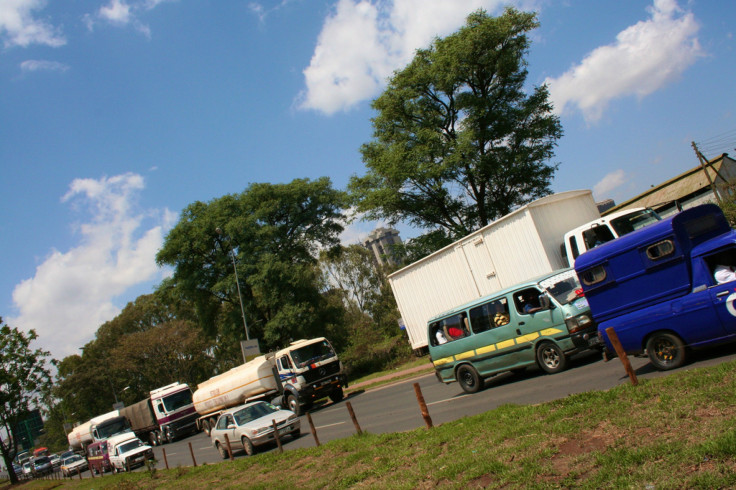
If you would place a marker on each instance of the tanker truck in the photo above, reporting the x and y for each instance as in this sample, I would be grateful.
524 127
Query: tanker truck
293 377
166 414
96 429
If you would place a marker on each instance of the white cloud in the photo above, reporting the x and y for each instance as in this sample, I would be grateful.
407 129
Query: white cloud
608 183
42 65
644 58
363 41
19 26
72 293
122 13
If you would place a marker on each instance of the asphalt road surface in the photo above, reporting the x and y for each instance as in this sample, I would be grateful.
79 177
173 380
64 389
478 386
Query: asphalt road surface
394 408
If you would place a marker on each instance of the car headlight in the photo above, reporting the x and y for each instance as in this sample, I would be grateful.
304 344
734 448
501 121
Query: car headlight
259 431
578 323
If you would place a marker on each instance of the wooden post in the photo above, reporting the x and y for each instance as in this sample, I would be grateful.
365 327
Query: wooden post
229 447
423 406
613 337
79 474
191 451
166 461
311 427
352 416
276 435
90 471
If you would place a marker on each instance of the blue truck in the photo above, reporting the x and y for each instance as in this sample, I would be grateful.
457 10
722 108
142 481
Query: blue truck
657 286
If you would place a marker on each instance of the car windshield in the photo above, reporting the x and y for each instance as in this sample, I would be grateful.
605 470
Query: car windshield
177 400
631 222
563 287
253 412
312 353
41 460
72 459
130 445
111 427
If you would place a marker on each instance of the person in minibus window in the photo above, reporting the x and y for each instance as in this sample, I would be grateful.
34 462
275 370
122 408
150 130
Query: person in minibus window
440 336
530 302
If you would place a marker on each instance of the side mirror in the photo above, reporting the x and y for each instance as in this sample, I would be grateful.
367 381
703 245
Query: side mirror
544 302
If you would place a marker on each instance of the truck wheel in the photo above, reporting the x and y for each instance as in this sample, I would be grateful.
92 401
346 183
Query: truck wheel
221 450
551 358
293 404
665 351
337 395
247 446
469 379
152 438
206 426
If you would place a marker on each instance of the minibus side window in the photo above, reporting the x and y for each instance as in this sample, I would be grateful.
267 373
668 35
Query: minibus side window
489 315
449 329
527 301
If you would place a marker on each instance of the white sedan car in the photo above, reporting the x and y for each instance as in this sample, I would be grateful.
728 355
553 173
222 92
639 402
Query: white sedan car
251 425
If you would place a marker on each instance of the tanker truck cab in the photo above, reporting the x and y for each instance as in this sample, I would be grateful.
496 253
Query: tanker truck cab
174 411
658 288
309 370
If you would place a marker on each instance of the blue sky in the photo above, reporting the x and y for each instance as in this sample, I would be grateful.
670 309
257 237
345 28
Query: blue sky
117 114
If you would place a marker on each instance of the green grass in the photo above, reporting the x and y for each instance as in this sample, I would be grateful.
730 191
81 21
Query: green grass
677 431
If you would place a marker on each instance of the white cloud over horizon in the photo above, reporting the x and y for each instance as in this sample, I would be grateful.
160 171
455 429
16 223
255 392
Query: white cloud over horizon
42 65
72 293
644 58
608 183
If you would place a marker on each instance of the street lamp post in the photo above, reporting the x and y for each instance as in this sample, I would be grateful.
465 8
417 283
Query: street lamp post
237 283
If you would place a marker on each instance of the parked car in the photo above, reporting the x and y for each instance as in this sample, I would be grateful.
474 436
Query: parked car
73 464
251 425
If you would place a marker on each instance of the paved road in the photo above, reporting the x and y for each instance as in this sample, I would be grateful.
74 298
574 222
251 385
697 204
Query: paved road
394 408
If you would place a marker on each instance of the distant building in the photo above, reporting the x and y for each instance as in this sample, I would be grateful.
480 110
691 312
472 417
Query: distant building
698 185
381 241
29 429
605 205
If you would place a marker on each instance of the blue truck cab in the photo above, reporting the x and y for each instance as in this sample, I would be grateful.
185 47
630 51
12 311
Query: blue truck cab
657 288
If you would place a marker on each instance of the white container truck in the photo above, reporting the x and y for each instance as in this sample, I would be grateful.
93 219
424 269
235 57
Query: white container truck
526 243
294 377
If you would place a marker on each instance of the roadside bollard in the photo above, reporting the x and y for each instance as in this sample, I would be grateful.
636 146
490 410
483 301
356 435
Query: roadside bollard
276 435
423 406
613 337
191 451
311 427
79 474
229 447
352 416
166 461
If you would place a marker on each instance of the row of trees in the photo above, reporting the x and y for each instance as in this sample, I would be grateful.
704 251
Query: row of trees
457 143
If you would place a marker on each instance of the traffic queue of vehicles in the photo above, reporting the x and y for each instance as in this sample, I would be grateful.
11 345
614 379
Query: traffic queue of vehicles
665 289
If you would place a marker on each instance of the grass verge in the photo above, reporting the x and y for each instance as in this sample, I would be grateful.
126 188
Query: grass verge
677 431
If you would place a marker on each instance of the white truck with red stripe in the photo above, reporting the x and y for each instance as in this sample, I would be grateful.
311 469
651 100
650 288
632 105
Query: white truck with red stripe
293 377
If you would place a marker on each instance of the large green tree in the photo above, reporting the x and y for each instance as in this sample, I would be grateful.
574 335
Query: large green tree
270 234
24 379
457 141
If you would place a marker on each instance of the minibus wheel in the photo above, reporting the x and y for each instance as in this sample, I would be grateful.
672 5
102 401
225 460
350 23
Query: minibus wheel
469 379
551 358
665 351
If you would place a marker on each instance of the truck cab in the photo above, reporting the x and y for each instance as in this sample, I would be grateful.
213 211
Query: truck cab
657 286
605 229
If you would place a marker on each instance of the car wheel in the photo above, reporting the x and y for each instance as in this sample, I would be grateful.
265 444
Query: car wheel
293 404
221 449
551 358
469 379
666 351
114 470
337 395
247 446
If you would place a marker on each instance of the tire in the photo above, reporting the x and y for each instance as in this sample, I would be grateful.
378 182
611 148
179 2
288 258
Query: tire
666 351
115 470
152 438
551 358
469 379
337 395
221 449
248 446
206 426
293 404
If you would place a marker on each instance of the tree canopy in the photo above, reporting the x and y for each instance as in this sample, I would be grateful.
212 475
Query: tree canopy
274 233
457 142
24 380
